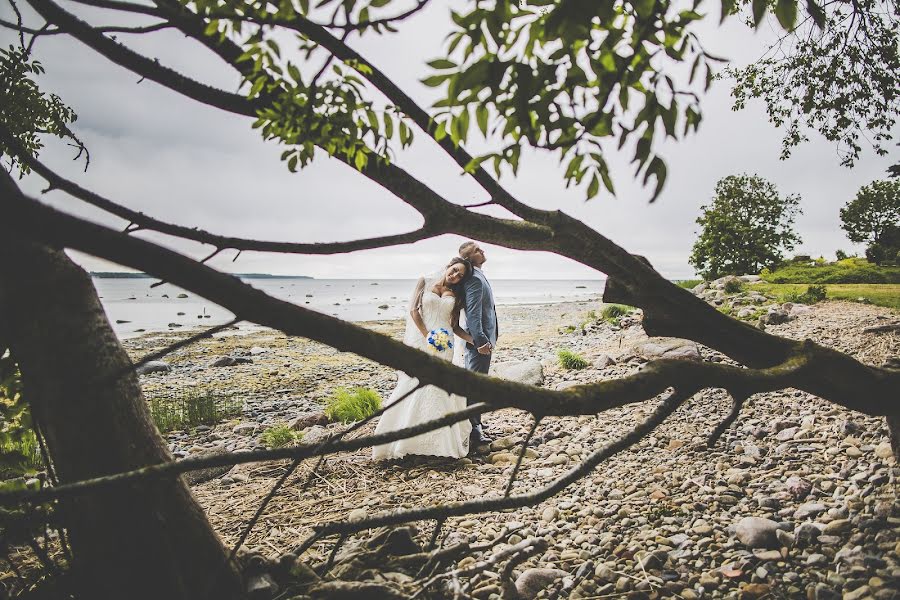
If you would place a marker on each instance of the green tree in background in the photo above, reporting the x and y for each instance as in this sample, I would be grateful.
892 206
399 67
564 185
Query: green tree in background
747 227
873 218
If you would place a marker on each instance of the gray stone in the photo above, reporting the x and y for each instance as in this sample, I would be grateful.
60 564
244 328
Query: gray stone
667 348
261 586
304 420
528 372
809 509
532 581
798 487
153 366
245 428
775 316
230 361
807 534
757 532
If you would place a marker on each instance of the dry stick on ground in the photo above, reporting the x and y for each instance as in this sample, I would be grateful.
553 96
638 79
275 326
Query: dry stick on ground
521 457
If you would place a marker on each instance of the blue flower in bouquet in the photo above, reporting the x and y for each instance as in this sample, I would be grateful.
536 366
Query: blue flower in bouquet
440 339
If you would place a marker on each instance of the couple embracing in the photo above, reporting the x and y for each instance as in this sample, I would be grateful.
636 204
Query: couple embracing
432 325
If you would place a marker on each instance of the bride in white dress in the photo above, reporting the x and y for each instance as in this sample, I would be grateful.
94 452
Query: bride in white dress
435 305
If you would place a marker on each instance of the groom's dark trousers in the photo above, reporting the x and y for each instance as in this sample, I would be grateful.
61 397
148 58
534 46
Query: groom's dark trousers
481 319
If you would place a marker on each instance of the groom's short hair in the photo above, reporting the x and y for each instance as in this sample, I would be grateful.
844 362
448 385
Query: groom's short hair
465 250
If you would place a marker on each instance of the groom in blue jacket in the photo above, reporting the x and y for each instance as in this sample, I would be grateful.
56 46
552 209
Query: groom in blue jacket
481 321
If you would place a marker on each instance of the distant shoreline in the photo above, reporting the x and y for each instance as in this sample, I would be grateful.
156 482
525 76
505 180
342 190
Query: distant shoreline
126 275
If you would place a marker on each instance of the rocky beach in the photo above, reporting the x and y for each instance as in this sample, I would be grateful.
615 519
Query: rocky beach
798 499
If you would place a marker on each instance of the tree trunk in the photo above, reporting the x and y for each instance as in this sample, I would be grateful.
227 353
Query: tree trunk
146 542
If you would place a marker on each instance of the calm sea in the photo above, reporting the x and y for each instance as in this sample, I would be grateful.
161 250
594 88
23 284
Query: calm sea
132 305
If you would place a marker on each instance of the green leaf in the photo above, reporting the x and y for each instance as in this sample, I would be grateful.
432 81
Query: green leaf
405 134
435 80
816 12
759 11
594 187
360 160
388 125
658 169
786 11
727 8
481 115
441 131
442 63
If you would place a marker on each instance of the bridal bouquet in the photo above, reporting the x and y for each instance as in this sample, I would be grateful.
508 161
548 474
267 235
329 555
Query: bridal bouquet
440 339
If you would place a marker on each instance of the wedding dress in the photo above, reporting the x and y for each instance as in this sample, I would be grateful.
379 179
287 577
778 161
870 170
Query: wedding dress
429 402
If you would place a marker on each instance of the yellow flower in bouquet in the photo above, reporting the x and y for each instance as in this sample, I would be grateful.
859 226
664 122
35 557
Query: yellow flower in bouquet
440 339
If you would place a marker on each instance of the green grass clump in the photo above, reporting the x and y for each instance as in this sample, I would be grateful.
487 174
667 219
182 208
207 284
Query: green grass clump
612 312
688 284
887 295
570 360
848 270
813 294
279 436
347 406
192 408
733 286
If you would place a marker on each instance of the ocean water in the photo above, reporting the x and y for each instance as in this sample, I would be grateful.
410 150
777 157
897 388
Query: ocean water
134 307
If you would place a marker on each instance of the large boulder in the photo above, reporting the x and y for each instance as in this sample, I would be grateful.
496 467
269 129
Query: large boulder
529 372
757 532
532 581
655 348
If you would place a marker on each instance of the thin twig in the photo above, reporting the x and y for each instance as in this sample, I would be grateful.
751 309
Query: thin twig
521 457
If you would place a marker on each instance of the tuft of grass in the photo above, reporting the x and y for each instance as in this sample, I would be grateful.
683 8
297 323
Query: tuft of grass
192 408
356 404
688 284
813 294
570 360
734 286
612 312
279 436
20 453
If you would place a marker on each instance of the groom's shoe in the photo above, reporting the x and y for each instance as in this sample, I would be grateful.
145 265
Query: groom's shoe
478 436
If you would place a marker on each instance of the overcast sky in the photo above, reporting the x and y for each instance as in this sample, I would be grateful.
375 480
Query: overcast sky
172 158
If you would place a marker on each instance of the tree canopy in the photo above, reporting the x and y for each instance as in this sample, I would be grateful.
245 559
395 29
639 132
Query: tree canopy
835 70
747 227
875 208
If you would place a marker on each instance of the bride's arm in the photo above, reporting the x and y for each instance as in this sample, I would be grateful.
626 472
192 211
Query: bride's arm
415 312
457 329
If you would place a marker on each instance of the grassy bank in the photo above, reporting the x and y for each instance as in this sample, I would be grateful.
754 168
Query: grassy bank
847 271
879 294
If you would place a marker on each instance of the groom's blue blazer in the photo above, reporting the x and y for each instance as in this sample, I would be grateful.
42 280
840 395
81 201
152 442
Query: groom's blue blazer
481 315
